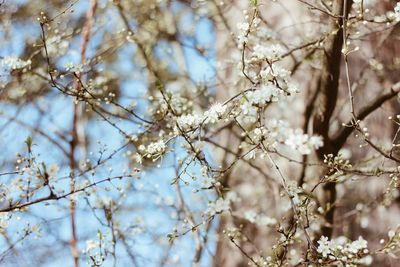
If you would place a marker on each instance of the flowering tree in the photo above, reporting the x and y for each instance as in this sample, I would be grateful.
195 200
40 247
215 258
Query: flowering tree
199 133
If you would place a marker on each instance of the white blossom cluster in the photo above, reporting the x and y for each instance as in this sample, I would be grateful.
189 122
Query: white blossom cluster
267 52
221 204
280 77
303 143
72 67
189 121
91 245
153 150
391 16
273 84
207 181
192 121
397 12
215 113
4 221
56 46
243 27
278 131
14 63
267 92
342 249
261 220
96 249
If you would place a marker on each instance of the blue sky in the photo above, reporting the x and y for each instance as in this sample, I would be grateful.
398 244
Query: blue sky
157 180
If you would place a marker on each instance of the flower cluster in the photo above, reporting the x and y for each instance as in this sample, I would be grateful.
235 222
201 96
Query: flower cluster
273 84
243 27
278 131
270 52
261 220
267 92
189 121
207 181
96 249
303 143
215 113
342 249
280 77
221 204
14 63
192 121
397 12
154 150
56 46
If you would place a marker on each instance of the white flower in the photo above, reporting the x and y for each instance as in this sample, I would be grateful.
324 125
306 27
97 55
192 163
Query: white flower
259 134
222 204
274 72
103 201
270 52
251 154
294 191
397 12
267 92
232 196
357 245
302 142
392 15
14 63
341 247
4 220
391 234
316 141
219 206
154 150
244 27
259 219
366 260
242 39
264 220
208 182
189 121
137 158
250 215
215 113
90 245
325 246
282 77
56 46
71 67
156 147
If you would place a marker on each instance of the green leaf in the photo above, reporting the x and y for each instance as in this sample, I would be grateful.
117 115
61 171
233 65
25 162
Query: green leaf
29 143
253 2
171 237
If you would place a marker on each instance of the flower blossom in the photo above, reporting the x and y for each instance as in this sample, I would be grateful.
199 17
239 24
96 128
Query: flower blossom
14 63
325 246
215 113
271 52
189 121
154 150
302 142
219 206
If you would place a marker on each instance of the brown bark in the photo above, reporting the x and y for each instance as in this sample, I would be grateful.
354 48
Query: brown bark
86 32
328 86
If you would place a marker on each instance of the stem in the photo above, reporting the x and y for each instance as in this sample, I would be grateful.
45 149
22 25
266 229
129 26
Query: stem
74 131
